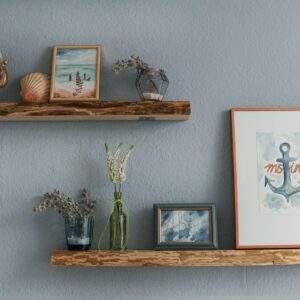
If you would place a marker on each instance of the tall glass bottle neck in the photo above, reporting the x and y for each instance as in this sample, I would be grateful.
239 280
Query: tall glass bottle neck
118 201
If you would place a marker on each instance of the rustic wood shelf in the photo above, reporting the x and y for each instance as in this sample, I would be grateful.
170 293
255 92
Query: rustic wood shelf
94 110
148 258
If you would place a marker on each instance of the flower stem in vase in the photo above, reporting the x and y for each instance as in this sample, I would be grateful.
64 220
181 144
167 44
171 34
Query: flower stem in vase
118 224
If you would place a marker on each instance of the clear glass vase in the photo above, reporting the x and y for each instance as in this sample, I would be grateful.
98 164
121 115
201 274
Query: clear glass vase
152 84
118 222
79 232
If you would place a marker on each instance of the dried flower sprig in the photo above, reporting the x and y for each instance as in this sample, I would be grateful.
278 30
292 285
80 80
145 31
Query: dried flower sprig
116 165
3 71
66 205
133 62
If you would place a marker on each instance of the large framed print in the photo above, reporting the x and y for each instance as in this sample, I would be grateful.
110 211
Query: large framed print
266 156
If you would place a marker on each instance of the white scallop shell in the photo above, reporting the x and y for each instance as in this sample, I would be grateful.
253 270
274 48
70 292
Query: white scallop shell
35 88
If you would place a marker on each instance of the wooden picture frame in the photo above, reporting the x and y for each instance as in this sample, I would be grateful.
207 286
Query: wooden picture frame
194 230
266 169
75 73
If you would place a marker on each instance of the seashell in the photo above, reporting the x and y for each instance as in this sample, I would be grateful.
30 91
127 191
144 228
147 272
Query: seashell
35 88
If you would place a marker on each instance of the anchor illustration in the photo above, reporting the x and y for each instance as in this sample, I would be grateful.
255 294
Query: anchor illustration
286 189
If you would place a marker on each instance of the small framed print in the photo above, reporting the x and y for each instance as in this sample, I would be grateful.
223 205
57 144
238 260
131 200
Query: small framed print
75 73
266 156
185 226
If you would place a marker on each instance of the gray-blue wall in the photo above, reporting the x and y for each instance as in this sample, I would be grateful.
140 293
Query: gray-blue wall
218 54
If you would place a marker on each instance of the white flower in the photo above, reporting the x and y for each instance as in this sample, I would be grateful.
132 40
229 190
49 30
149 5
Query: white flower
116 163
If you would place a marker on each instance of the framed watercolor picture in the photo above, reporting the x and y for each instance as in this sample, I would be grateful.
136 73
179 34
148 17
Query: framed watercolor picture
75 73
266 152
185 226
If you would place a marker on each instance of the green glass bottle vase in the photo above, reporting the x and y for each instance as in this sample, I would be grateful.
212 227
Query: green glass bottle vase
118 222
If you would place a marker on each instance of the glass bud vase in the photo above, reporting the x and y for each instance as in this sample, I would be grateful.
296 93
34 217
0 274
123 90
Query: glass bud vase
118 222
79 232
152 84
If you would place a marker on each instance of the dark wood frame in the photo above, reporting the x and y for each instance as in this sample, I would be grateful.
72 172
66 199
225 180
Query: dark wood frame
236 212
213 244
97 79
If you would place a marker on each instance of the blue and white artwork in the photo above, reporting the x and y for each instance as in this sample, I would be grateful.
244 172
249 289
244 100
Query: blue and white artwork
75 73
278 161
185 226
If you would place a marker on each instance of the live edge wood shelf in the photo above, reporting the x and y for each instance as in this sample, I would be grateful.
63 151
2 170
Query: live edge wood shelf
149 258
93 110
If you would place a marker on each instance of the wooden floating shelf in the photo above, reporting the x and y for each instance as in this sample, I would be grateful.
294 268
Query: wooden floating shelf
96 110
148 258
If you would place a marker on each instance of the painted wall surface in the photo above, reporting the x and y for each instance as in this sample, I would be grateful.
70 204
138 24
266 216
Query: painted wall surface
218 54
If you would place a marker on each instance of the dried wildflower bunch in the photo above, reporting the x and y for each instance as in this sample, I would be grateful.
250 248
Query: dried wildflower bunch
133 62
116 164
67 206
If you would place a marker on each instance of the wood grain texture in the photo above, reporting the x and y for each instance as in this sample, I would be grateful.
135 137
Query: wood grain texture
113 110
149 258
